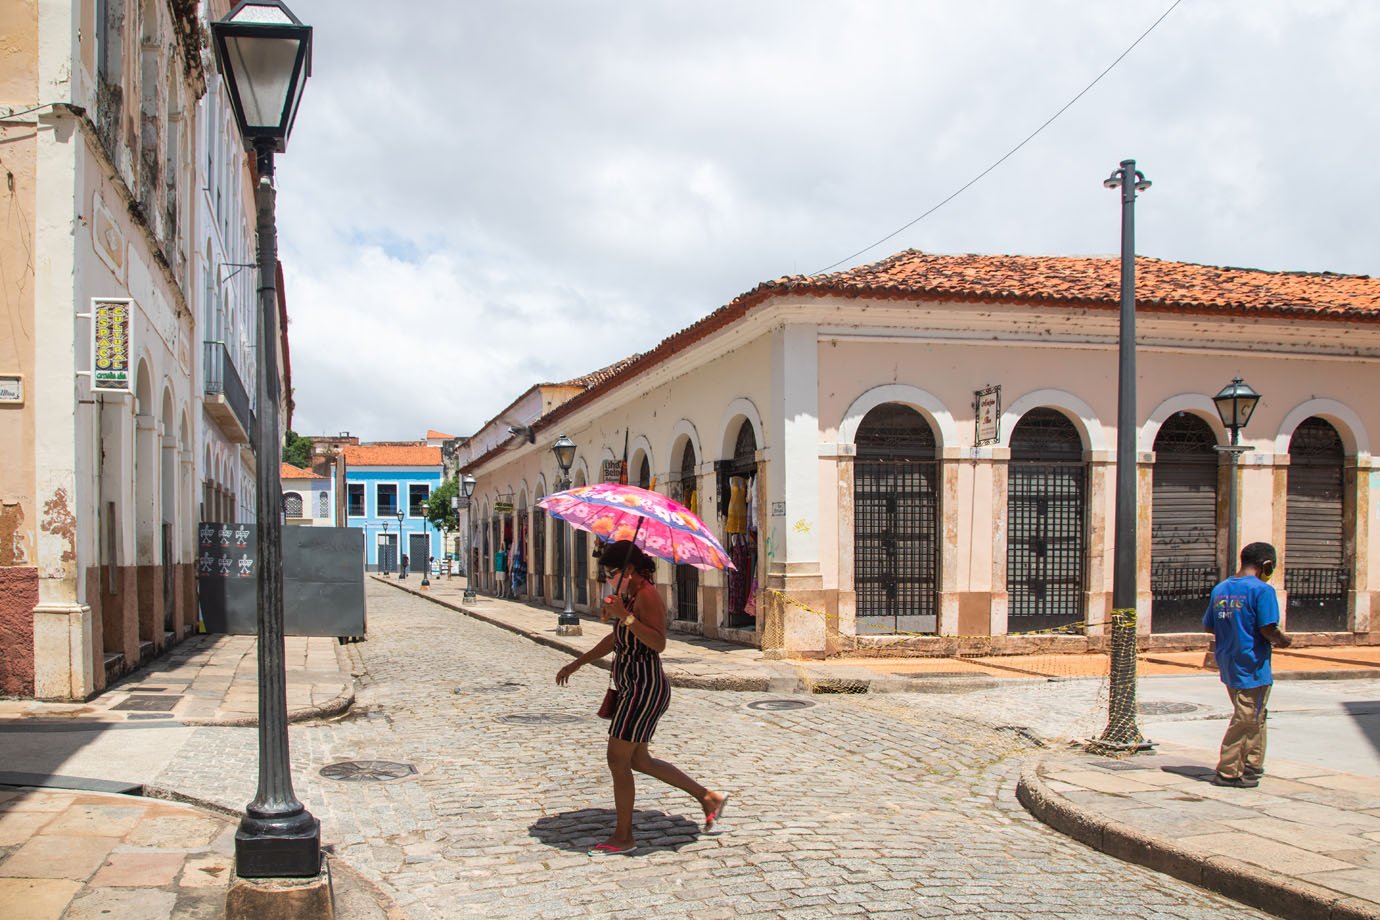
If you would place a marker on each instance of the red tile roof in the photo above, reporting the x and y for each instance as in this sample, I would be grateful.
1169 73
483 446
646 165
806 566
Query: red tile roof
1092 282
391 455
432 434
288 471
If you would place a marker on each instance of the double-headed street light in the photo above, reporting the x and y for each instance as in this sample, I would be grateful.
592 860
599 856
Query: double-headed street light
568 622
264 53
467 489
384 560
1122 733
1235 404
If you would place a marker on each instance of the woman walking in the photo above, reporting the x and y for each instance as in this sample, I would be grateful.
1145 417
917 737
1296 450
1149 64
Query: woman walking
637 641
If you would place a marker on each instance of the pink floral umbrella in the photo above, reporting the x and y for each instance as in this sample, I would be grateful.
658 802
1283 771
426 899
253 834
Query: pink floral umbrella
661 527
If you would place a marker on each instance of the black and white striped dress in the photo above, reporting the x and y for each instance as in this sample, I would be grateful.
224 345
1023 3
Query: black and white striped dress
643 690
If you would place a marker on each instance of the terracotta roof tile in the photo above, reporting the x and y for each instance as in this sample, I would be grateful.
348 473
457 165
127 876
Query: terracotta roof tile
432 434
392 455
288 471
594 378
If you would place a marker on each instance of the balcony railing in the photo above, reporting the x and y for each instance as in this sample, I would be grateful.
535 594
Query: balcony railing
228 400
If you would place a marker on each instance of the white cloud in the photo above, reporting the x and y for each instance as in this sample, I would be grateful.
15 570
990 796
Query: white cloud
479 197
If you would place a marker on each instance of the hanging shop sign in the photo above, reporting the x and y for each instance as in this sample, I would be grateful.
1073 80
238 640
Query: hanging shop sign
612 471
987 404
112 344
503 507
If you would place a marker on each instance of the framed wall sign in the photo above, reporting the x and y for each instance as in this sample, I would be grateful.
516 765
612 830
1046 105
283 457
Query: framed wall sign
987 403
112 344
11 388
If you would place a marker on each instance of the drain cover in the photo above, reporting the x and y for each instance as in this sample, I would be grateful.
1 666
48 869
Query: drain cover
1120 765
506 687
539 718
780 705
367 771
1165 708
149 704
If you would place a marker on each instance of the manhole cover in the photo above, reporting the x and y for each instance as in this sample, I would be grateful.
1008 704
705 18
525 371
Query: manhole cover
539 718
780 705
1165 708
508 687
367 771
149 704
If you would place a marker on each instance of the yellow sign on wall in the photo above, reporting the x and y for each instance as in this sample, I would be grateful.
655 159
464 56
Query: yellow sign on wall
111 344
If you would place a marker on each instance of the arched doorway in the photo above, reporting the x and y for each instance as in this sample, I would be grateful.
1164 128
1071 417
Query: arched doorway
687 576
1183 524
581 557
1317 572
895 523
737 498
1046 529
538 574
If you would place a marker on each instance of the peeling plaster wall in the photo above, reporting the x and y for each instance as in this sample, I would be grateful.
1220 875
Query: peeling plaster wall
18 595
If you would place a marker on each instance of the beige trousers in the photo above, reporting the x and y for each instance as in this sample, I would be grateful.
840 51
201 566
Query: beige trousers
1243 746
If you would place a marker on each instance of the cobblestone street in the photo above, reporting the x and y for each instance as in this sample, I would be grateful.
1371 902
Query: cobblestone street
857 805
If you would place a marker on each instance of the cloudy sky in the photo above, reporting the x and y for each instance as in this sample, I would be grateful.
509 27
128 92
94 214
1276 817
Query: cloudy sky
481 196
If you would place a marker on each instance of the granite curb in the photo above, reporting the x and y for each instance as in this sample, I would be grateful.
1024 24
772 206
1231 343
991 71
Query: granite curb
763 683
1251 885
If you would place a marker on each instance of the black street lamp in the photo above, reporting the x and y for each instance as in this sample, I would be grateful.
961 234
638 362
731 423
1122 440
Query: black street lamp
1122 733
402 572
568 622
1235 404
264 53
467 490
426 563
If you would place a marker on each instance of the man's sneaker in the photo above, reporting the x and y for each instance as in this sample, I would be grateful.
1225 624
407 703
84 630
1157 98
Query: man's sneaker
1253 773
1235 782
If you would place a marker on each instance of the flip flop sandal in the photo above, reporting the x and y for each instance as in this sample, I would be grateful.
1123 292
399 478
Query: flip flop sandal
713 817
605 849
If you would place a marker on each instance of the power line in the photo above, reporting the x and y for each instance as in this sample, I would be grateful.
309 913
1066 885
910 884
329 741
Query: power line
973 181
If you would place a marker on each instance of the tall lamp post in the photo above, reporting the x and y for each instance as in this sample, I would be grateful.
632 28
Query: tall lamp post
1235 404
426 563
467 490
568 623
264 53
402 572
1122 733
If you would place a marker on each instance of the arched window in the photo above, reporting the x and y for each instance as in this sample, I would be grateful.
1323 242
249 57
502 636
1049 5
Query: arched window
1183 524
1317 570
1046 508
687 576
292 504
896 523
323 505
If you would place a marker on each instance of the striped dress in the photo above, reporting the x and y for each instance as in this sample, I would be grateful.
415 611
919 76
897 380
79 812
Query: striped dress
643 690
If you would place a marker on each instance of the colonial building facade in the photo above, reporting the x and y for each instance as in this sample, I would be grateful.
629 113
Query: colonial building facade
385 486
925 448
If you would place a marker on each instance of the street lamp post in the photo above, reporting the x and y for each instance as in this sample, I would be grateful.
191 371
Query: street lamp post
264 53
1122 733
402 572
467 490
568 623
1235 404
426 563
385 549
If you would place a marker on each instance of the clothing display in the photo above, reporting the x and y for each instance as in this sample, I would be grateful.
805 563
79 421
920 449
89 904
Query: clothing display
742 551
737 505
644 693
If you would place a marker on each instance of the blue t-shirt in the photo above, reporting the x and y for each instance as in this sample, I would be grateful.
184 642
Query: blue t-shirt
1238 609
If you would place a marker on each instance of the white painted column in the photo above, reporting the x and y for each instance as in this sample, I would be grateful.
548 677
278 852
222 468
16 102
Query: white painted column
793 420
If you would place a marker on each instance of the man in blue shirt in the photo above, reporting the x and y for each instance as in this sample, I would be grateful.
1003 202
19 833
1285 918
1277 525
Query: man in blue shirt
1243 616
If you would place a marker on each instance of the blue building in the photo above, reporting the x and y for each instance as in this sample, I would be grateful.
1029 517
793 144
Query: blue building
385 485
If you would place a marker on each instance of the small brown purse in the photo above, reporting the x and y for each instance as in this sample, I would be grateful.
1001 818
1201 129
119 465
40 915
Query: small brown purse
610 702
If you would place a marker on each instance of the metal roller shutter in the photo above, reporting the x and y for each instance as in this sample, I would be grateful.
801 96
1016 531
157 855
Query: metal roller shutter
1316 572
1183 528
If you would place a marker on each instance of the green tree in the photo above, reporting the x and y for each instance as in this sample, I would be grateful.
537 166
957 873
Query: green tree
296 450
438 509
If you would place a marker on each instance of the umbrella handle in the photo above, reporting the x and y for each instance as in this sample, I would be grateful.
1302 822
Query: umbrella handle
618 588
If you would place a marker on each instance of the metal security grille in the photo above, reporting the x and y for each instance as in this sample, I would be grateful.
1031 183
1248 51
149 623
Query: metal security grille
687 576
1316 571
558 533
581 567
1183 528
538 580
895 523
1046 523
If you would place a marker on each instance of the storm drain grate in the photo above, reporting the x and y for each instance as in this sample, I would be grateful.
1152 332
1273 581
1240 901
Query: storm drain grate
780 705
368 771
149 704
1165 708
1119 765
538 718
